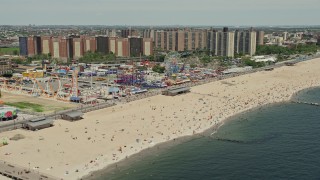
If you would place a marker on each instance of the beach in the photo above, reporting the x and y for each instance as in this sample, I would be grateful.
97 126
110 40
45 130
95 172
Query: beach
71 150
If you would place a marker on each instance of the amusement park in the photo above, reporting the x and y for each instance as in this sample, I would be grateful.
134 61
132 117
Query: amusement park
89 84
92 83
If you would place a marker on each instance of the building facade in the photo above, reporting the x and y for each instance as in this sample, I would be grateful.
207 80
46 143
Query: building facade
135 46
31 46
64 49
218 43
5 65
260 38
245 42
55 51
102 44
212 42
122 47
78 47
46 44
23 46
147 47
90 44
113 44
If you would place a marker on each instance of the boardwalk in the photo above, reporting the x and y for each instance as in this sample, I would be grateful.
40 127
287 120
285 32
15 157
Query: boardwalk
10 125
16 172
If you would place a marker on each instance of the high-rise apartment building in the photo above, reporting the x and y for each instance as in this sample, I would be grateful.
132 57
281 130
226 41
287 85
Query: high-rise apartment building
102 44
160 39
227 46
202 41
70 47
152 34
78 47
64 48
34 45
55 47
225 43
113 44
23 46
245 42
147 46
180 40
252 43
135 46
113 33
212 42
46 44
285 36
260 37
237 41
171 40
30 45
125 33
37 44
90 44
122 47
146 33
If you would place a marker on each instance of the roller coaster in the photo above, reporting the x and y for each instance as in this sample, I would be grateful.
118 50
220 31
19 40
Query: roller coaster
45 88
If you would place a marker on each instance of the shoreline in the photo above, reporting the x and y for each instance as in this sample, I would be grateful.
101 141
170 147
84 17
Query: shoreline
163 146
182 139
227 97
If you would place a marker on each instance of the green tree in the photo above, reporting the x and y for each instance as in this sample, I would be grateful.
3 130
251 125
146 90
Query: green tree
17 61
238 55
297 49
158 69
205 60
15 52
141 68
248 62
161 58
280 57
150 58
193 65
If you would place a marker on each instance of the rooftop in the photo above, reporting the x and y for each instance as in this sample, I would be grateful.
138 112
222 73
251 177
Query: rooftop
39 123
74 114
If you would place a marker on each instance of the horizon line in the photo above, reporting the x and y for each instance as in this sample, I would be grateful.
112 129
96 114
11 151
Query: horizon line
283 25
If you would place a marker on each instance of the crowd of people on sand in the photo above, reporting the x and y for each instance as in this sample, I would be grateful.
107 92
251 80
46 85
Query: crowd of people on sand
198 115
191 114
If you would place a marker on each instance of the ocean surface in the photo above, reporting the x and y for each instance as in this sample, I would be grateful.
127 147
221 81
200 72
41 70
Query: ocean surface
280 141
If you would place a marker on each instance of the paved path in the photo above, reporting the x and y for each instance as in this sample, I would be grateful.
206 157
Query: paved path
16 172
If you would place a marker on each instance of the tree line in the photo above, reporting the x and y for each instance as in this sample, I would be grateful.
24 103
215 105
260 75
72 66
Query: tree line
91 57
296 49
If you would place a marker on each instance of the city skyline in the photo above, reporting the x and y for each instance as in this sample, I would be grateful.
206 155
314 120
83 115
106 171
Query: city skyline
165 12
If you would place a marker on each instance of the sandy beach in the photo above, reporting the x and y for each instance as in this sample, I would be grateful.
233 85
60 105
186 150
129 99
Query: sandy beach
71 150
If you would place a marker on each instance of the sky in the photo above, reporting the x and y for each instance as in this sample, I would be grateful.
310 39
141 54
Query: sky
160 12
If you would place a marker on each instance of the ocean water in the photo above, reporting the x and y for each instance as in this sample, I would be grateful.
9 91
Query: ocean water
281 141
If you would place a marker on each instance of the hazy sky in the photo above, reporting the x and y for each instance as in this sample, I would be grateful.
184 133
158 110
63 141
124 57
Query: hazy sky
160 12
